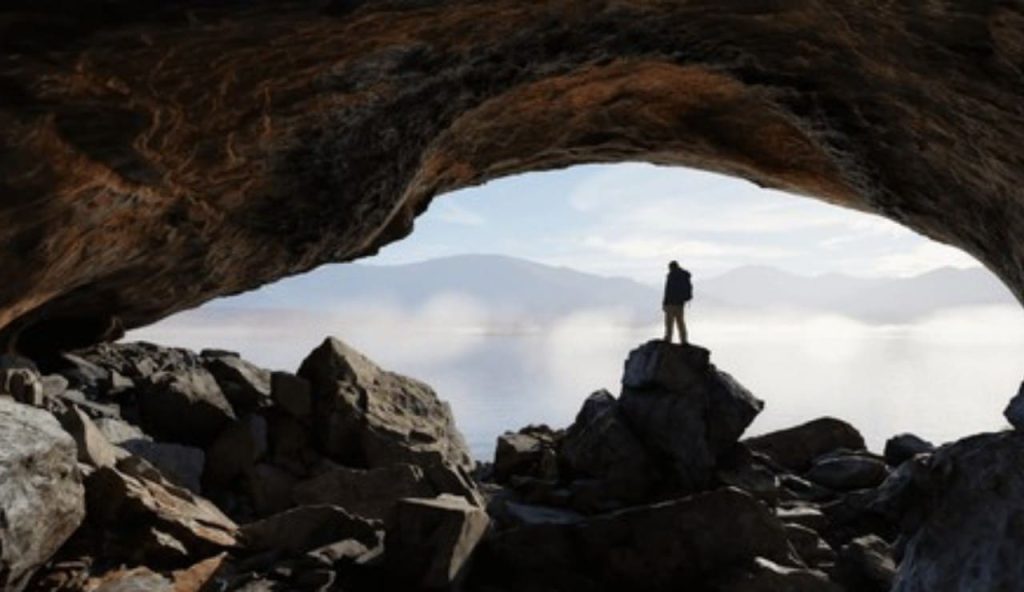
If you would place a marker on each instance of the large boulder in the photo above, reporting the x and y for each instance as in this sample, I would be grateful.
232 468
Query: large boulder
866 564
429 541
797 448
245 385
848 472
601 445
186 406
41 494
903 447
649 548
963 510
528 452
372 417
683 409
235 451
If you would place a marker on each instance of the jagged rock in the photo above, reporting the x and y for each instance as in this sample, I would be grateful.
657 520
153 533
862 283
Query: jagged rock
180 464
529 452
742 470
139 360
797 448
846 473
369 493
767 576
683 409
601 445
186 407
235 451
23 385
903 447
291 393
84 375
198 577
639 548
93 447
963 509
866 564
135 497
245 385
1014 411
809 545
429 541
378 417
299 530
41 495
270 489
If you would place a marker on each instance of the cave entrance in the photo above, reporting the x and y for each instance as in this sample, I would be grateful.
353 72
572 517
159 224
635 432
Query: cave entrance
518 298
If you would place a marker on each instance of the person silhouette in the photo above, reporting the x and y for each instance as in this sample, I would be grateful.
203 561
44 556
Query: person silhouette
678 291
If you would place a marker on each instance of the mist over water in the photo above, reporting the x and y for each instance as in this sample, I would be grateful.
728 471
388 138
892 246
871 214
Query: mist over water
944 377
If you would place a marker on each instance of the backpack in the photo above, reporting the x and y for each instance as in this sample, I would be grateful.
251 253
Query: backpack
687 286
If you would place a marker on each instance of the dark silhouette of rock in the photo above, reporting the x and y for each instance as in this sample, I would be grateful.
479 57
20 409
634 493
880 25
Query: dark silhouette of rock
185 407
235 451
1014 411
809 545
246 386
796 448
527 452
961 512
763 575
373 418
846 473
683 409
639 548
270 489
41 494
181 465
803 514
369 493
299 530
291 393
429 541
866 564
902 447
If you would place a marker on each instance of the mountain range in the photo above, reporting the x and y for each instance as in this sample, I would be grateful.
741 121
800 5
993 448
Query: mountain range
518 290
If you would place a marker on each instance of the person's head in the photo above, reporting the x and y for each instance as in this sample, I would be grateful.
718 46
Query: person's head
673 265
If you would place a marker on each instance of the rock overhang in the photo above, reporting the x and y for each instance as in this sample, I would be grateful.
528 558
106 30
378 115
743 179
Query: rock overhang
157 156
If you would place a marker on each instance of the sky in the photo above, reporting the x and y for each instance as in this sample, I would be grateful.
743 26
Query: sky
630 219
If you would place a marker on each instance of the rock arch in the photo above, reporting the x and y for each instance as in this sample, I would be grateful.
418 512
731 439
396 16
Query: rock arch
157 155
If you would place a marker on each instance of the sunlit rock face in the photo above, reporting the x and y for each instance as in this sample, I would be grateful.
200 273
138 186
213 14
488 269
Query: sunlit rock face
158 154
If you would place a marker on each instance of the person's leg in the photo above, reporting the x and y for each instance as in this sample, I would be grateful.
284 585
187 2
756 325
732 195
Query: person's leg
681 321
668 324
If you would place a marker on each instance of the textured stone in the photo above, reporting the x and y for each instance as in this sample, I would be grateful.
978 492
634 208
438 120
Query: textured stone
41 494
23 385
93 446
186 407
235 451
374 418
369 493
301 147
796 448
296 531
866 564
245 385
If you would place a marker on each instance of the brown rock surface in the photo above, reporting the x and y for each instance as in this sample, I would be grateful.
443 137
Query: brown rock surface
149 144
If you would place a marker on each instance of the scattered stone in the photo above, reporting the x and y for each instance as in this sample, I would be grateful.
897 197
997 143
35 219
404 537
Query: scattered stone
866 564
93 447
291 393
797 448
1014 411
846 473
185 407
235 451
23 385
640 548
684 410
299 530
378 417
247 387
429 541
903 447
41 495
370 493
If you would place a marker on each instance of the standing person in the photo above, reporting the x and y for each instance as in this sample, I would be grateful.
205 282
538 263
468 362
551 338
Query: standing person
678 291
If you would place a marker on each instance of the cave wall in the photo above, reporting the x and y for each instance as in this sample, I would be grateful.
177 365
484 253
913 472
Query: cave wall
159 154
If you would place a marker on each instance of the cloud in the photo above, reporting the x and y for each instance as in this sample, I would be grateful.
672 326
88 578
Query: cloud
638 247
452 213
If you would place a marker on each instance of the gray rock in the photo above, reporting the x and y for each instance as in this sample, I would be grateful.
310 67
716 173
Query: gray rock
93 447
684 410
370 493
429 541
641 548
246 386
291 393
41 494
513 514
23 385
846 473
798 447
181 465
118 431
374 418
866 564
1014 411
186 407
299 530
53 385
903 447
963 506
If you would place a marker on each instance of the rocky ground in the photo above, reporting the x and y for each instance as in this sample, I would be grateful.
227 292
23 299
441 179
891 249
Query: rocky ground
136 467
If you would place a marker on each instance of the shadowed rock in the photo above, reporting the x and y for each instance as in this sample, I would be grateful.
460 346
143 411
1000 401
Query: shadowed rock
796 448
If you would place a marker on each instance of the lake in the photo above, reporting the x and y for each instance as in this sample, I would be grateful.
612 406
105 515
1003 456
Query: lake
942 378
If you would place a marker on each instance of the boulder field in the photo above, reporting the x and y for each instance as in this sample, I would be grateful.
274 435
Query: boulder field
138 467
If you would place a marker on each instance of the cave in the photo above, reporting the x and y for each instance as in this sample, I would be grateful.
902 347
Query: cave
159 155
